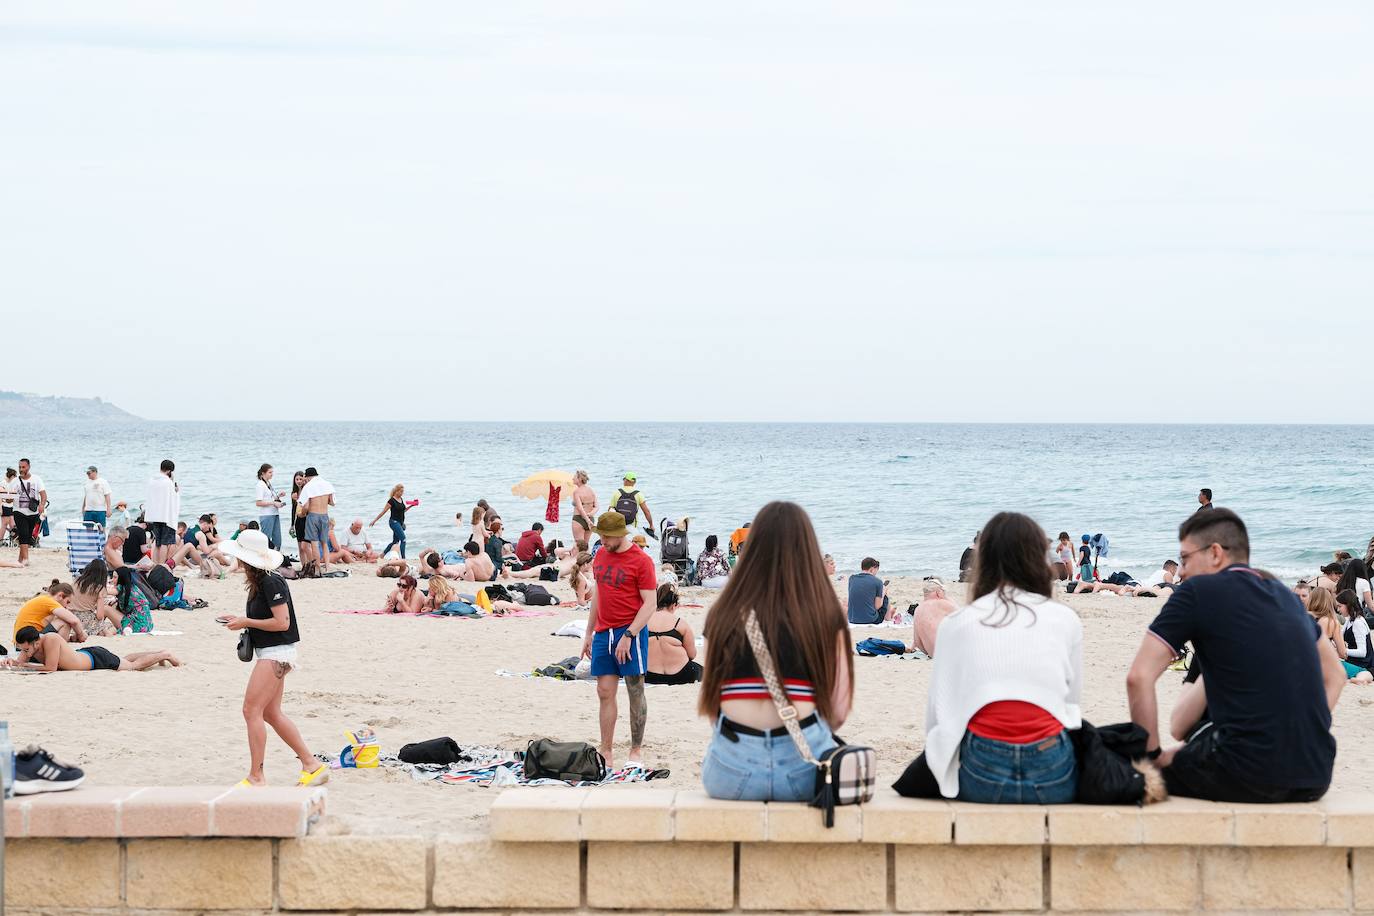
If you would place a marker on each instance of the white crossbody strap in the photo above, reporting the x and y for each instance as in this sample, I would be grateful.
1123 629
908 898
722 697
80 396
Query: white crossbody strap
786 711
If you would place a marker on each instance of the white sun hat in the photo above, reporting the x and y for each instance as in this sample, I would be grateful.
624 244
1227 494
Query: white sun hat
253 548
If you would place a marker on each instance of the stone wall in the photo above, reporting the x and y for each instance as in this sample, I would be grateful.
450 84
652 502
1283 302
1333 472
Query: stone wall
644 849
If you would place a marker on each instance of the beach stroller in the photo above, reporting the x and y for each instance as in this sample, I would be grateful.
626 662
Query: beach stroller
673 548
1101 547
85 542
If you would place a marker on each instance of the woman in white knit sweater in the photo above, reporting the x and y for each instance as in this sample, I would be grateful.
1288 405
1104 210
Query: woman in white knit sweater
1007 680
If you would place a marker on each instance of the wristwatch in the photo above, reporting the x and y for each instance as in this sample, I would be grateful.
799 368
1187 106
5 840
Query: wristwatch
629 634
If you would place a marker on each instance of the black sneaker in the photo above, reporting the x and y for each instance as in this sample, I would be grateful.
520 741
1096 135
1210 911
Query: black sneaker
36 771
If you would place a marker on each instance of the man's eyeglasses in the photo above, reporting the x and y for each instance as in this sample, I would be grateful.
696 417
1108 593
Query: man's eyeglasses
1185 554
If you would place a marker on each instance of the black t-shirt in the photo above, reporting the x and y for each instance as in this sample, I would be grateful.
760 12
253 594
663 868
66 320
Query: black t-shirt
1258 652
398 510
272 592
133 546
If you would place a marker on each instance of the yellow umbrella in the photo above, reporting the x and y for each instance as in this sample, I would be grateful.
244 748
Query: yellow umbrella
536 486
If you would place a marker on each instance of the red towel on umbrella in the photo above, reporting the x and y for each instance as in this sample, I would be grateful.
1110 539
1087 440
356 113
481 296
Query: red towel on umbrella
551 515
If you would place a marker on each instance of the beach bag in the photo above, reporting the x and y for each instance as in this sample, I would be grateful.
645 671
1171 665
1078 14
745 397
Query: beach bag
1120 578
436 750
548 574
245 647
1104 757
538 596
570 761
174 599
497 593
844 774
873 647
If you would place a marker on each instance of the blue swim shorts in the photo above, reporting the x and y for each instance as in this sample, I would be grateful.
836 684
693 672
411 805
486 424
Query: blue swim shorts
603 653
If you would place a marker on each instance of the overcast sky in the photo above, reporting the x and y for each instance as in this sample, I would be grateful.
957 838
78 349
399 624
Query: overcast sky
699 211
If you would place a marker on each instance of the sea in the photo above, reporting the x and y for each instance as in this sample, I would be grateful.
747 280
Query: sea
910 495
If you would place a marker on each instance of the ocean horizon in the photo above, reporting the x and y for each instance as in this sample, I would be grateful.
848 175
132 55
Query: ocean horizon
910 494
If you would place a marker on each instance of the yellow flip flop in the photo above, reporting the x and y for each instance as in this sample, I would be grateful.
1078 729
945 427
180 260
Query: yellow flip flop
245 784
318 777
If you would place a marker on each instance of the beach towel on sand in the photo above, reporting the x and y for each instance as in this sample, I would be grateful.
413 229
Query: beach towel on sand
480 765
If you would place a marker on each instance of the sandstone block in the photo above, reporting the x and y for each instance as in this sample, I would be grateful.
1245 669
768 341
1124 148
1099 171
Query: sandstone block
998 825
168 811
199 874
353 872
677 876
939 878
53 873
1362 869
479 873
92 812
798 822
804 876
1349 819
1123 878
16 817
1275 878
537 814
629 813
700 818
278 811
1094 825
1187 821
1280 825
889 818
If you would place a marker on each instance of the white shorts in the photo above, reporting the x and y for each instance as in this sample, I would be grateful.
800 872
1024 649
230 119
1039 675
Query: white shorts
285 654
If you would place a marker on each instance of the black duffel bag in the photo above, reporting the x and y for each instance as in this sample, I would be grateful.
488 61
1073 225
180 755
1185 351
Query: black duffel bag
435 750
570 761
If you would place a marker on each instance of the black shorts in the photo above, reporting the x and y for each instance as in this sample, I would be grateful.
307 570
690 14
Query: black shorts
298 528
6 511
161 534
1195 772
690 674
26 529
102 659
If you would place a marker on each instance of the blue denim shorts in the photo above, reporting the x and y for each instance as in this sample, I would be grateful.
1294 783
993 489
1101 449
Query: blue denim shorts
763 768
995 772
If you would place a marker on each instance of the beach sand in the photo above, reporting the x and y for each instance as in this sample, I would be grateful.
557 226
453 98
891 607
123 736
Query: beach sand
417 678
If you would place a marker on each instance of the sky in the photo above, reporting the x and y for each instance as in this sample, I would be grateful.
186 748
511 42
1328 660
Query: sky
988 211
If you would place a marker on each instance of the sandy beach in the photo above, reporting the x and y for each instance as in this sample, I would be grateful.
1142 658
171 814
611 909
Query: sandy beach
417 678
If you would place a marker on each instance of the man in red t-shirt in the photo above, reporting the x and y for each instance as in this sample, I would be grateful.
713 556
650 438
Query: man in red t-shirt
531 545
617 639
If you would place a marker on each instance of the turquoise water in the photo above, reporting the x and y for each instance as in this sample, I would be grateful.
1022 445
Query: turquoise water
910 495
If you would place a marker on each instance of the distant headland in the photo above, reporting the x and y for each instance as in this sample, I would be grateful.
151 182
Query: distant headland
18 405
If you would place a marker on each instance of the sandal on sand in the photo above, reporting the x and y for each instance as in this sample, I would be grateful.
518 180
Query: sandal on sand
246 784
318 777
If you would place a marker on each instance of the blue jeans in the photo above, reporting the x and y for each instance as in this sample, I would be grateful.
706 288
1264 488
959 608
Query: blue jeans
763 768
398 536
271 526
995 772
93 515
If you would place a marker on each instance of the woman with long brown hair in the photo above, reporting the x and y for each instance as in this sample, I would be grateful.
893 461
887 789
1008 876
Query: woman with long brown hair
271 625
1007 680
780 579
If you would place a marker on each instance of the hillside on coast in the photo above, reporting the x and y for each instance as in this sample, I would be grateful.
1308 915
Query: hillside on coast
17 405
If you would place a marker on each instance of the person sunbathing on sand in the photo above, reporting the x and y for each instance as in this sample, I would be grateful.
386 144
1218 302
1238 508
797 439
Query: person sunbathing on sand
567 562
49 652
432 564
478 566
405 598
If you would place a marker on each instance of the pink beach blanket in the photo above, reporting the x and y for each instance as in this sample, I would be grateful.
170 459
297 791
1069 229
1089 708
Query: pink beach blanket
528 612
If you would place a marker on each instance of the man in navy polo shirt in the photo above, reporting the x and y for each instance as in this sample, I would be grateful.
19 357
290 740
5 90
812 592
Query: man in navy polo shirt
1260 722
